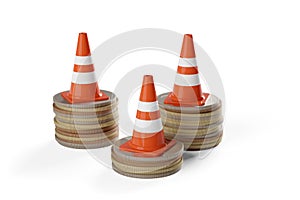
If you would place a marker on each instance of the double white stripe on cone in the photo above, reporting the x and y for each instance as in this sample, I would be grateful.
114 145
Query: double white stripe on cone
187 79
148 126
83 77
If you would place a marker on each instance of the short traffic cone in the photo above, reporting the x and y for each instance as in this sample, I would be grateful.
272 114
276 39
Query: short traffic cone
187 89
148 134
84 86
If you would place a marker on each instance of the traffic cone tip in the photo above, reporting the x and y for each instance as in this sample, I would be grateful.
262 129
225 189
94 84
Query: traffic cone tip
83 47
148 93
187 50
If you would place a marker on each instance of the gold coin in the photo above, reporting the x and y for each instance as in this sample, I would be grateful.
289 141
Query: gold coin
83 127
191 132
60 102
213 103
86 121
86 145
85 113
190 116
87 132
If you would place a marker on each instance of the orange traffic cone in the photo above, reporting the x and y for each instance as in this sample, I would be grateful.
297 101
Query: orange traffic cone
148 134
187 89
84 86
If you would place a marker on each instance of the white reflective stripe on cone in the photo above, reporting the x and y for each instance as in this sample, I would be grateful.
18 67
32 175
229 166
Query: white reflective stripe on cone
84 78
187 62
148 126
148 106
187 80
83 60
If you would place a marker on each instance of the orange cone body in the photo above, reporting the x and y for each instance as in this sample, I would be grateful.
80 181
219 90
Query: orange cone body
187 89
84 86
148 134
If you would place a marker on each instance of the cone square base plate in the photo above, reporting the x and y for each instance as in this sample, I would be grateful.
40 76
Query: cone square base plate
128 147
171 99
212 103
63 103
71 99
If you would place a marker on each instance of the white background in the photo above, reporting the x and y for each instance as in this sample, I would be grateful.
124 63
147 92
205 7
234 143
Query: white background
255 46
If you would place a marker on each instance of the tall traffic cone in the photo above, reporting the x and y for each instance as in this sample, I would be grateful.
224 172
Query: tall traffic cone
146 154
84 86
148 134
187 89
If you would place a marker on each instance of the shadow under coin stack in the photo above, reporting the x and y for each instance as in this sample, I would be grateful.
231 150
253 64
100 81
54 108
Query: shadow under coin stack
146 154
188 115
85 116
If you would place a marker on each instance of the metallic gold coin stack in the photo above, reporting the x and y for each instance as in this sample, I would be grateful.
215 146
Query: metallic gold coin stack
197 127
139 165
86 125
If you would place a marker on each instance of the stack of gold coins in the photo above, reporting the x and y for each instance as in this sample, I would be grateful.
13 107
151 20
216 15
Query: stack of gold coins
197 127
86 125
145 165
